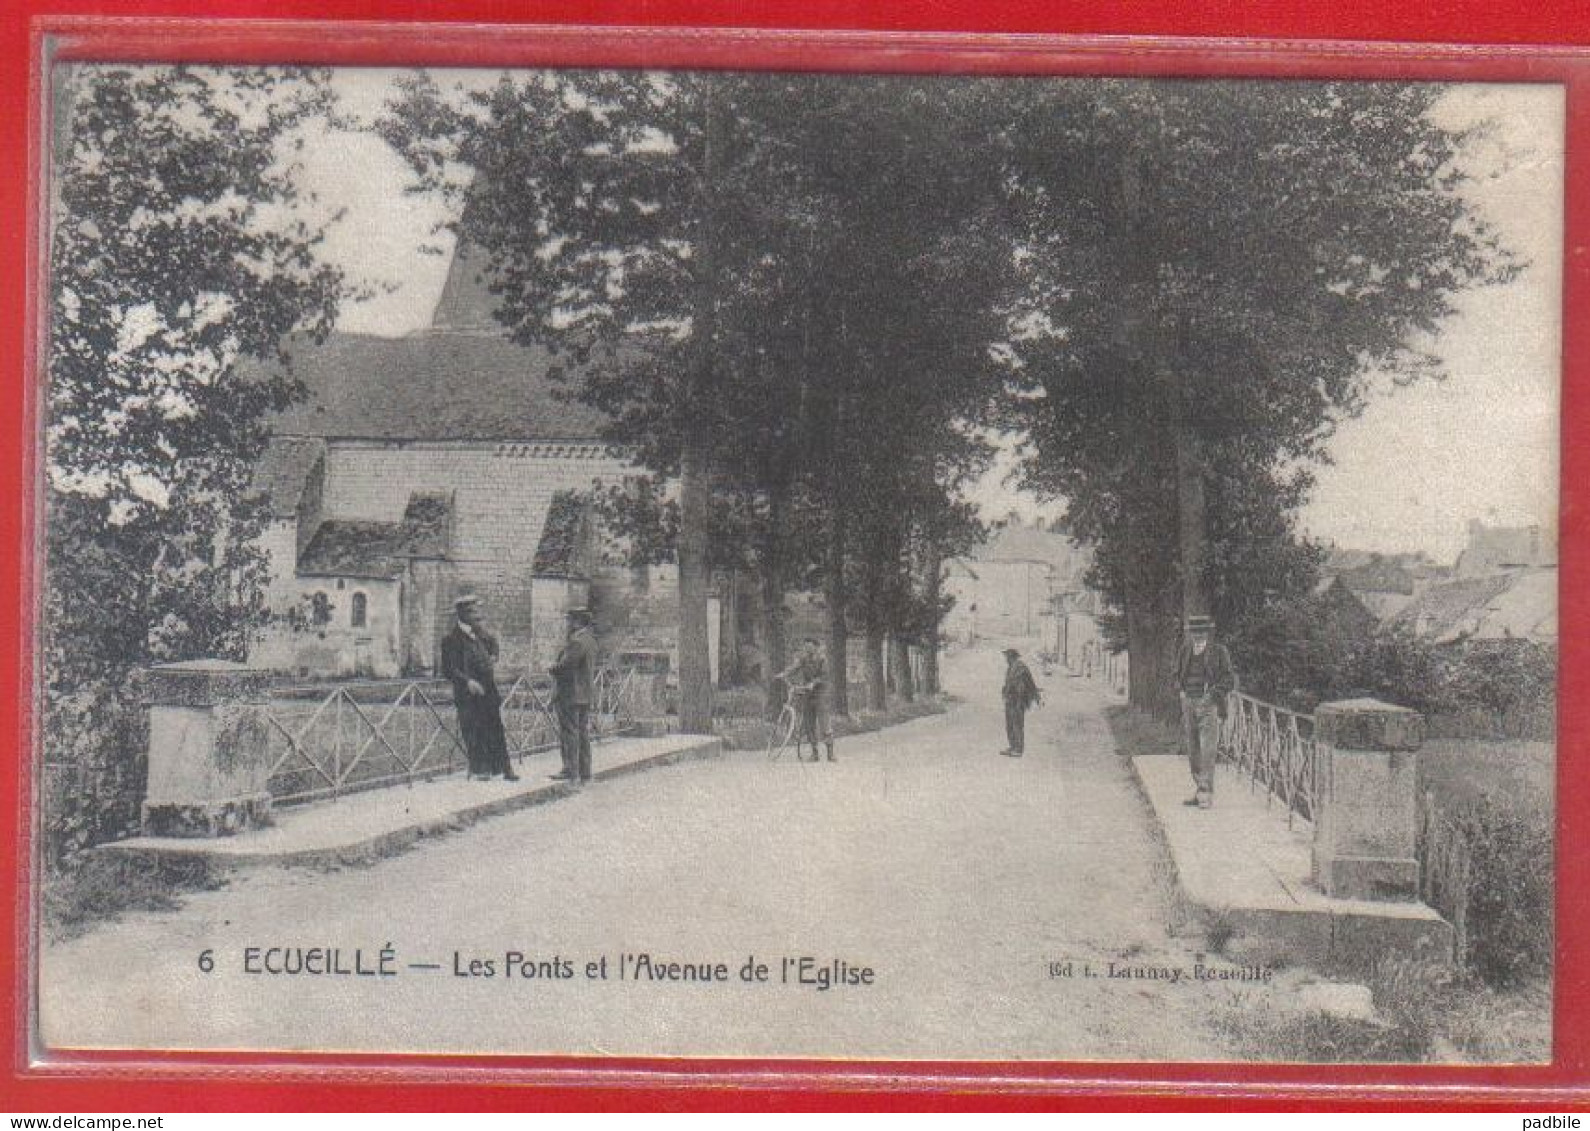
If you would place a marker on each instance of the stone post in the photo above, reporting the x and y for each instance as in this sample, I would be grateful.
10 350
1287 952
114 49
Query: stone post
1366 830
209 749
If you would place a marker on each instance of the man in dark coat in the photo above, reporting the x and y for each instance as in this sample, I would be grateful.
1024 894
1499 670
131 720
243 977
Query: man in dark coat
574 679
469 662
1019 693
807 678
1204 677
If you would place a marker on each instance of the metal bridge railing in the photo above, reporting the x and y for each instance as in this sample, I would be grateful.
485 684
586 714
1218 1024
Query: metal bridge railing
1276 749
374 733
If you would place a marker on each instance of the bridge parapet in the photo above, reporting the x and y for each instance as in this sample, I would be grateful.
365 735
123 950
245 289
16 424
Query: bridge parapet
1366 832
209 748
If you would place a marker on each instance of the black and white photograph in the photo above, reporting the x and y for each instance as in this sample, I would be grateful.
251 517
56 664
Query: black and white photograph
813 566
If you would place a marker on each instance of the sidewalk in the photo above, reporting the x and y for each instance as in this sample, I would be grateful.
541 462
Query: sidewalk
378 822
1242 871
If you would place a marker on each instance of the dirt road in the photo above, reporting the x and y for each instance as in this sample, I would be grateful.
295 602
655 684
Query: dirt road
986 898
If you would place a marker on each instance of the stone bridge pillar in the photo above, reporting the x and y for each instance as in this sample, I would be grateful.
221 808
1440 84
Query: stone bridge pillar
1366 830
209 749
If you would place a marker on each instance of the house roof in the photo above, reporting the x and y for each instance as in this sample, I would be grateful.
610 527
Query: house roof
1452 610
283 471
435 385
353 547
1339 560
1378 575
1526 609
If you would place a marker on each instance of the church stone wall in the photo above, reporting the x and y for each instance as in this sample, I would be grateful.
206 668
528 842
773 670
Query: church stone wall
502 493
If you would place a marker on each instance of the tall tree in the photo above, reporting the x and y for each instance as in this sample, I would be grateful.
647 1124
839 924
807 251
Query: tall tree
180 246
917 270
1219 269
637 224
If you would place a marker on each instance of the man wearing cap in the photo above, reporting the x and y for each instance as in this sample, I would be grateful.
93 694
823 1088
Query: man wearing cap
807 678
469 662
573 677
1205 677
1020 693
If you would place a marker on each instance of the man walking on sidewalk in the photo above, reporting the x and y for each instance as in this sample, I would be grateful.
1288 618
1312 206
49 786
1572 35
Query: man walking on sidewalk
1205 678
1020 692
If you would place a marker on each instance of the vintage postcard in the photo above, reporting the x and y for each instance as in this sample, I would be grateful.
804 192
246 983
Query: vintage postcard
672 563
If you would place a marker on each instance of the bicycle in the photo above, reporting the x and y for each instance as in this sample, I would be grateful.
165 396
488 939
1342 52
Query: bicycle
783 728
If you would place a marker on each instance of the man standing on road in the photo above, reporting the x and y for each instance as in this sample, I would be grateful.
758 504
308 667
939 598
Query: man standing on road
808 681
1020 693
574 677
1205 678
469 662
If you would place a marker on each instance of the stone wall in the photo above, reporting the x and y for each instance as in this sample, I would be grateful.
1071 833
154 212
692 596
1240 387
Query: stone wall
279 543
501 494
338 648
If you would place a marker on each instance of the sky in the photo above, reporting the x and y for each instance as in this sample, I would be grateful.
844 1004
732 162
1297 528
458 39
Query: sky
1406 475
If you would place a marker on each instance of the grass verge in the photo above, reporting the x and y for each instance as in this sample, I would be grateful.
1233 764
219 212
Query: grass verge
1423 1014
104 887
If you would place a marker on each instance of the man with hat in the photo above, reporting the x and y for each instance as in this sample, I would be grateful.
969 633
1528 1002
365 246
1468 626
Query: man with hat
574 677
1204 677
1020 692
807 679
469 662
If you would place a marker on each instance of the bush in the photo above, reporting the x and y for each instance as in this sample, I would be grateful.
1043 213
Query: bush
1511 893
94 767
1298 655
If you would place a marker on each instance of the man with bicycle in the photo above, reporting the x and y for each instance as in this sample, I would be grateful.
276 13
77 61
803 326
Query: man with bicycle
807 679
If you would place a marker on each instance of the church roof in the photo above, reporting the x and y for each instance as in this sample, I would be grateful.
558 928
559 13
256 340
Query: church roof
283 472
435 385
467 302
428 524
558 553
353 547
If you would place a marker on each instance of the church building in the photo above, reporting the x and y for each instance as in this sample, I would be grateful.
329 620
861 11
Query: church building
418 468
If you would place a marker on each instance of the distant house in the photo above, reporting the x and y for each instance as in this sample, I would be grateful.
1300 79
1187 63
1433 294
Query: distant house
1493 548
1512 605
1384 584
960 583
1348 615
1010 586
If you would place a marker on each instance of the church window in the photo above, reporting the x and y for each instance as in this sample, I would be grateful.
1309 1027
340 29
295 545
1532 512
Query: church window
361 610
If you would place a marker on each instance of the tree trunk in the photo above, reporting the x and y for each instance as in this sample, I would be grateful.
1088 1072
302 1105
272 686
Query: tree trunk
695 462
695 673
837 600
930 647
872 659
1152 640
770 588
729 674
1191 510
900 662
838 648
